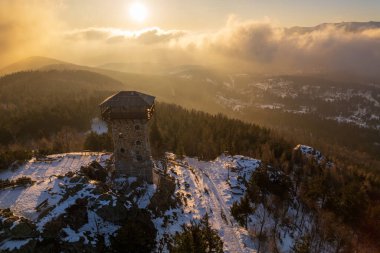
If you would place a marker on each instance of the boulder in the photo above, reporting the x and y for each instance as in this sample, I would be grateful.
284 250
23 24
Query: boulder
110 210
94 171
23 230
76 215
8 222
53 228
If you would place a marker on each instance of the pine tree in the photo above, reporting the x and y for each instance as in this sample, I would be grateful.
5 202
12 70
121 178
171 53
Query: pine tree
242 210
197 237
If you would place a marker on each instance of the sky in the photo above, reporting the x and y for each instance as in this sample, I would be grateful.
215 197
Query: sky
211 14
249 33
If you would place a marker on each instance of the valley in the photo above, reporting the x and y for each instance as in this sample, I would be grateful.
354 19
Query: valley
189 126
298 105
258 189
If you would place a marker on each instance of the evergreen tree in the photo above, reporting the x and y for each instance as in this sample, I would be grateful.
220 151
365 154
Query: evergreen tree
96 142
197 237
137 234
241 211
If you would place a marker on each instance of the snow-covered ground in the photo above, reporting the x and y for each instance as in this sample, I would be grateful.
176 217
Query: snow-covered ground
309 151
52 187
203 187
356 106
212 187
22 201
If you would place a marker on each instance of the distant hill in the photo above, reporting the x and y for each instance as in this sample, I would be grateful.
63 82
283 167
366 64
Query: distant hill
30 63
137 67
41 63
297 104
166 87
39 103
48 81
346 26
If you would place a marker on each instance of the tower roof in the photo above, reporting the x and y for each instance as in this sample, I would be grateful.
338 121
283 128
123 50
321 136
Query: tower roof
129 99
127 105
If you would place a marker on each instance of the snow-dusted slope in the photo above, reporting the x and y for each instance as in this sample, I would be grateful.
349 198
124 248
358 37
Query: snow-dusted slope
202 187
23 201
212 187
55 189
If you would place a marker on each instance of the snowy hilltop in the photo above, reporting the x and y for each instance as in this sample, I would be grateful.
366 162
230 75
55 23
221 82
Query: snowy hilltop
72 203
65 202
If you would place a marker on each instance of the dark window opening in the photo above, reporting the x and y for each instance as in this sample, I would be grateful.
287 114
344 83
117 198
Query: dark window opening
138 142
139 158
121 135
122 150
137 127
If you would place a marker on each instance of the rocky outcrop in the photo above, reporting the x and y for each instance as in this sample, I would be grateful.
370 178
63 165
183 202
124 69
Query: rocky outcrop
19 229
23 229
94 171
76 215
111 209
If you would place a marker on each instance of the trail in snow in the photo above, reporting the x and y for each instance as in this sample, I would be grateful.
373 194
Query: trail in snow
219 213
222 217
224 180
201 184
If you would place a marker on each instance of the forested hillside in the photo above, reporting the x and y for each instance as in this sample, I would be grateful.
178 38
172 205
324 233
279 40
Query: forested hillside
196 133
51 112
312 108
38 104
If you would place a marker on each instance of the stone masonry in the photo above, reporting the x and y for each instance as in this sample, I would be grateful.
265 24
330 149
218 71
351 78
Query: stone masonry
127 114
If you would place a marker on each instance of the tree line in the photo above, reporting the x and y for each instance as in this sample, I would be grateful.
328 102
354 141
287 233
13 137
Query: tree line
51 113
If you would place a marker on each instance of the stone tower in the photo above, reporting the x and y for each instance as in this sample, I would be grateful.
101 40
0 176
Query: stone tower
127 114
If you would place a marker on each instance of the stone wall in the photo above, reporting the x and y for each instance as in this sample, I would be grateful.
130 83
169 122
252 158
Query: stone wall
132 150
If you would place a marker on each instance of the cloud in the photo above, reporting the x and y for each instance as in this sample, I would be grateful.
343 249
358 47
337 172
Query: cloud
156 35
34 28
251 41
266 47
260 46
148 36
89 34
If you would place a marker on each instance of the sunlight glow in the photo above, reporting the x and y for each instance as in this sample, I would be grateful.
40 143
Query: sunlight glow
138 11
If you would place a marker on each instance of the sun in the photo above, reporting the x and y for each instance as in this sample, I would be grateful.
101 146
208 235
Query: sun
138 12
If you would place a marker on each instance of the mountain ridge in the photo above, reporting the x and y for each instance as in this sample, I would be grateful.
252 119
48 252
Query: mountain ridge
351 26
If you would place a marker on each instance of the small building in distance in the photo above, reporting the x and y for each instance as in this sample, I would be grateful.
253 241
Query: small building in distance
127 114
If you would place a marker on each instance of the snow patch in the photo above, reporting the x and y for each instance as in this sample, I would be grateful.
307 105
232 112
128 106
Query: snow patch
99 126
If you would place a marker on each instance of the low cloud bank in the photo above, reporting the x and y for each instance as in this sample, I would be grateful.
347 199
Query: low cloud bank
329 47
333 47
33 28
147 36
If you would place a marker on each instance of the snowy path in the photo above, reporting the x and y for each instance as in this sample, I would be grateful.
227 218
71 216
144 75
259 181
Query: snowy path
219 214
222 217
218 194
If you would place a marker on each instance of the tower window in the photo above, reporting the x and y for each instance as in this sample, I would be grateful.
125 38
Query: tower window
139 158
122 150
137 127
121 135
138 143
